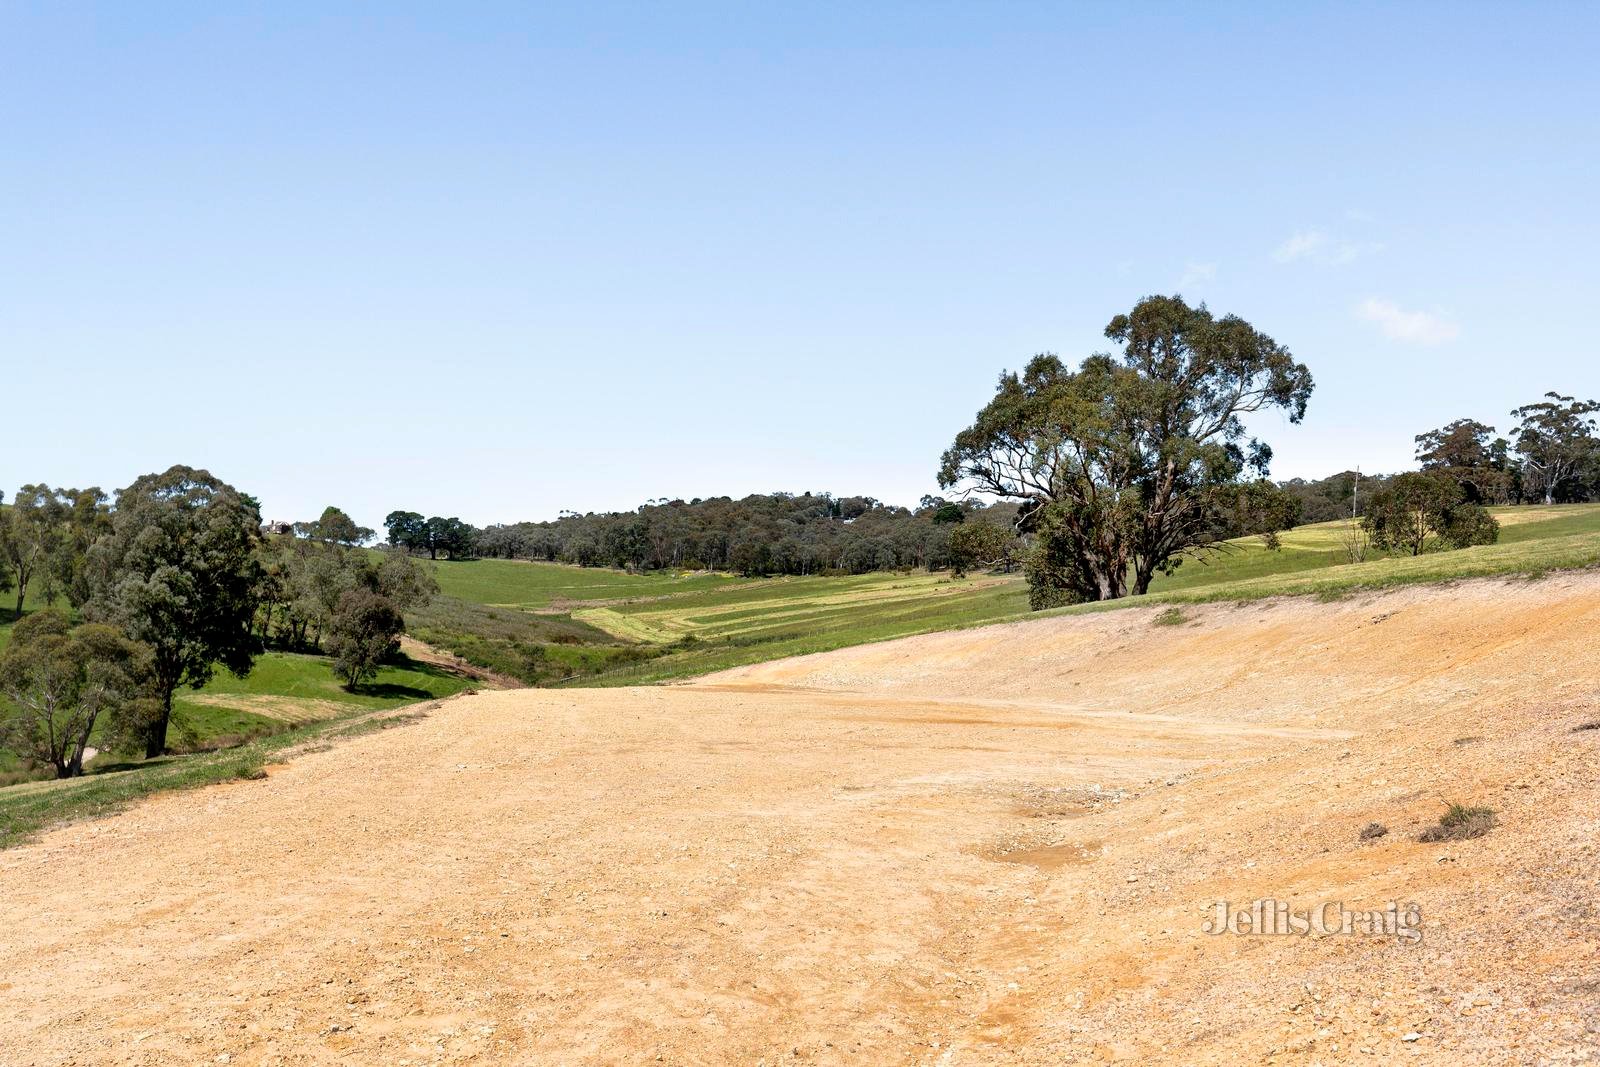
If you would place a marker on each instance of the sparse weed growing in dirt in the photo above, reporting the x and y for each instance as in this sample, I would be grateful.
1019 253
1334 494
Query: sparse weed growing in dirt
1170 617
404 718
1586 726
1460 822
1373 830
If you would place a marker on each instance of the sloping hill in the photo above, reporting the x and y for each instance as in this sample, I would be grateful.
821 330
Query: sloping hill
598 627
993 846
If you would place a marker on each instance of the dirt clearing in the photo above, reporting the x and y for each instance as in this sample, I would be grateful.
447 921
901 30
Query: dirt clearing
422 652
990 846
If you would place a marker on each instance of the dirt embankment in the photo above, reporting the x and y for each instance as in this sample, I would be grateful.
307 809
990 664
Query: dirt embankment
422 652
994 846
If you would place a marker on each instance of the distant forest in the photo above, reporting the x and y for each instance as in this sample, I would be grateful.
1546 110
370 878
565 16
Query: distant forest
779 533
776 533
1552 456
819 533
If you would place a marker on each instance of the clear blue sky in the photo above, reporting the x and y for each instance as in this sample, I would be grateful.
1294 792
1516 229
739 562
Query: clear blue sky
499 260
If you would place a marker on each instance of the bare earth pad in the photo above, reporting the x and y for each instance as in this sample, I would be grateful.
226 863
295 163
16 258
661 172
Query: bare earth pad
991 846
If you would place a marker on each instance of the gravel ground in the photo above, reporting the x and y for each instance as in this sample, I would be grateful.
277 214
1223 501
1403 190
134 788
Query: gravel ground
991 846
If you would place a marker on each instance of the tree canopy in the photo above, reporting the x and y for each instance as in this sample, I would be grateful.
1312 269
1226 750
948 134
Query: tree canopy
335 526
1467 452
303 580
30 530
981 543
366 630
1556 440
1128 462
61 681
1420 505
410 531
765 533
178 573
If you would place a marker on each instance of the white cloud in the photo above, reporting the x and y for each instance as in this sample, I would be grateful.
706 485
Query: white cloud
1304 244
1196 273
1416 327
1348 253
1319 246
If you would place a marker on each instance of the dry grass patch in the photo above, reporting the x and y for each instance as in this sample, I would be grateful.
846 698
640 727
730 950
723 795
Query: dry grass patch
293 710
1460 823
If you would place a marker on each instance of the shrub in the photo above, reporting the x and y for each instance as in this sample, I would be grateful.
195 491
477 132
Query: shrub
365 631
1460 823
1423 504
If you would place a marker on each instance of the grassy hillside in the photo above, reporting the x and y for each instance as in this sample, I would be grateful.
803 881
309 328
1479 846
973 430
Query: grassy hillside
553 624
1314 559
554 586
534 621
621 629
796 616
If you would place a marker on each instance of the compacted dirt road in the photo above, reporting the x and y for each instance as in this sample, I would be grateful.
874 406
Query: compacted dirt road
992 846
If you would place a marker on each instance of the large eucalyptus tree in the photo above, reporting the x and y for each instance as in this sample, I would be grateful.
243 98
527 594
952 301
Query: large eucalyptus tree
1128 463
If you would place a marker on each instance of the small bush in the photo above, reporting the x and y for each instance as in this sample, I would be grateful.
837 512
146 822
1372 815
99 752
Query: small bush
1586 726
1373 830
1460 823
1042 597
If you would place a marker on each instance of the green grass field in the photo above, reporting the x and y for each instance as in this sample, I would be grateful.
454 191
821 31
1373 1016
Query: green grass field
545 622
288 688
537 586
795 616
674 627
554 624
1313 559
